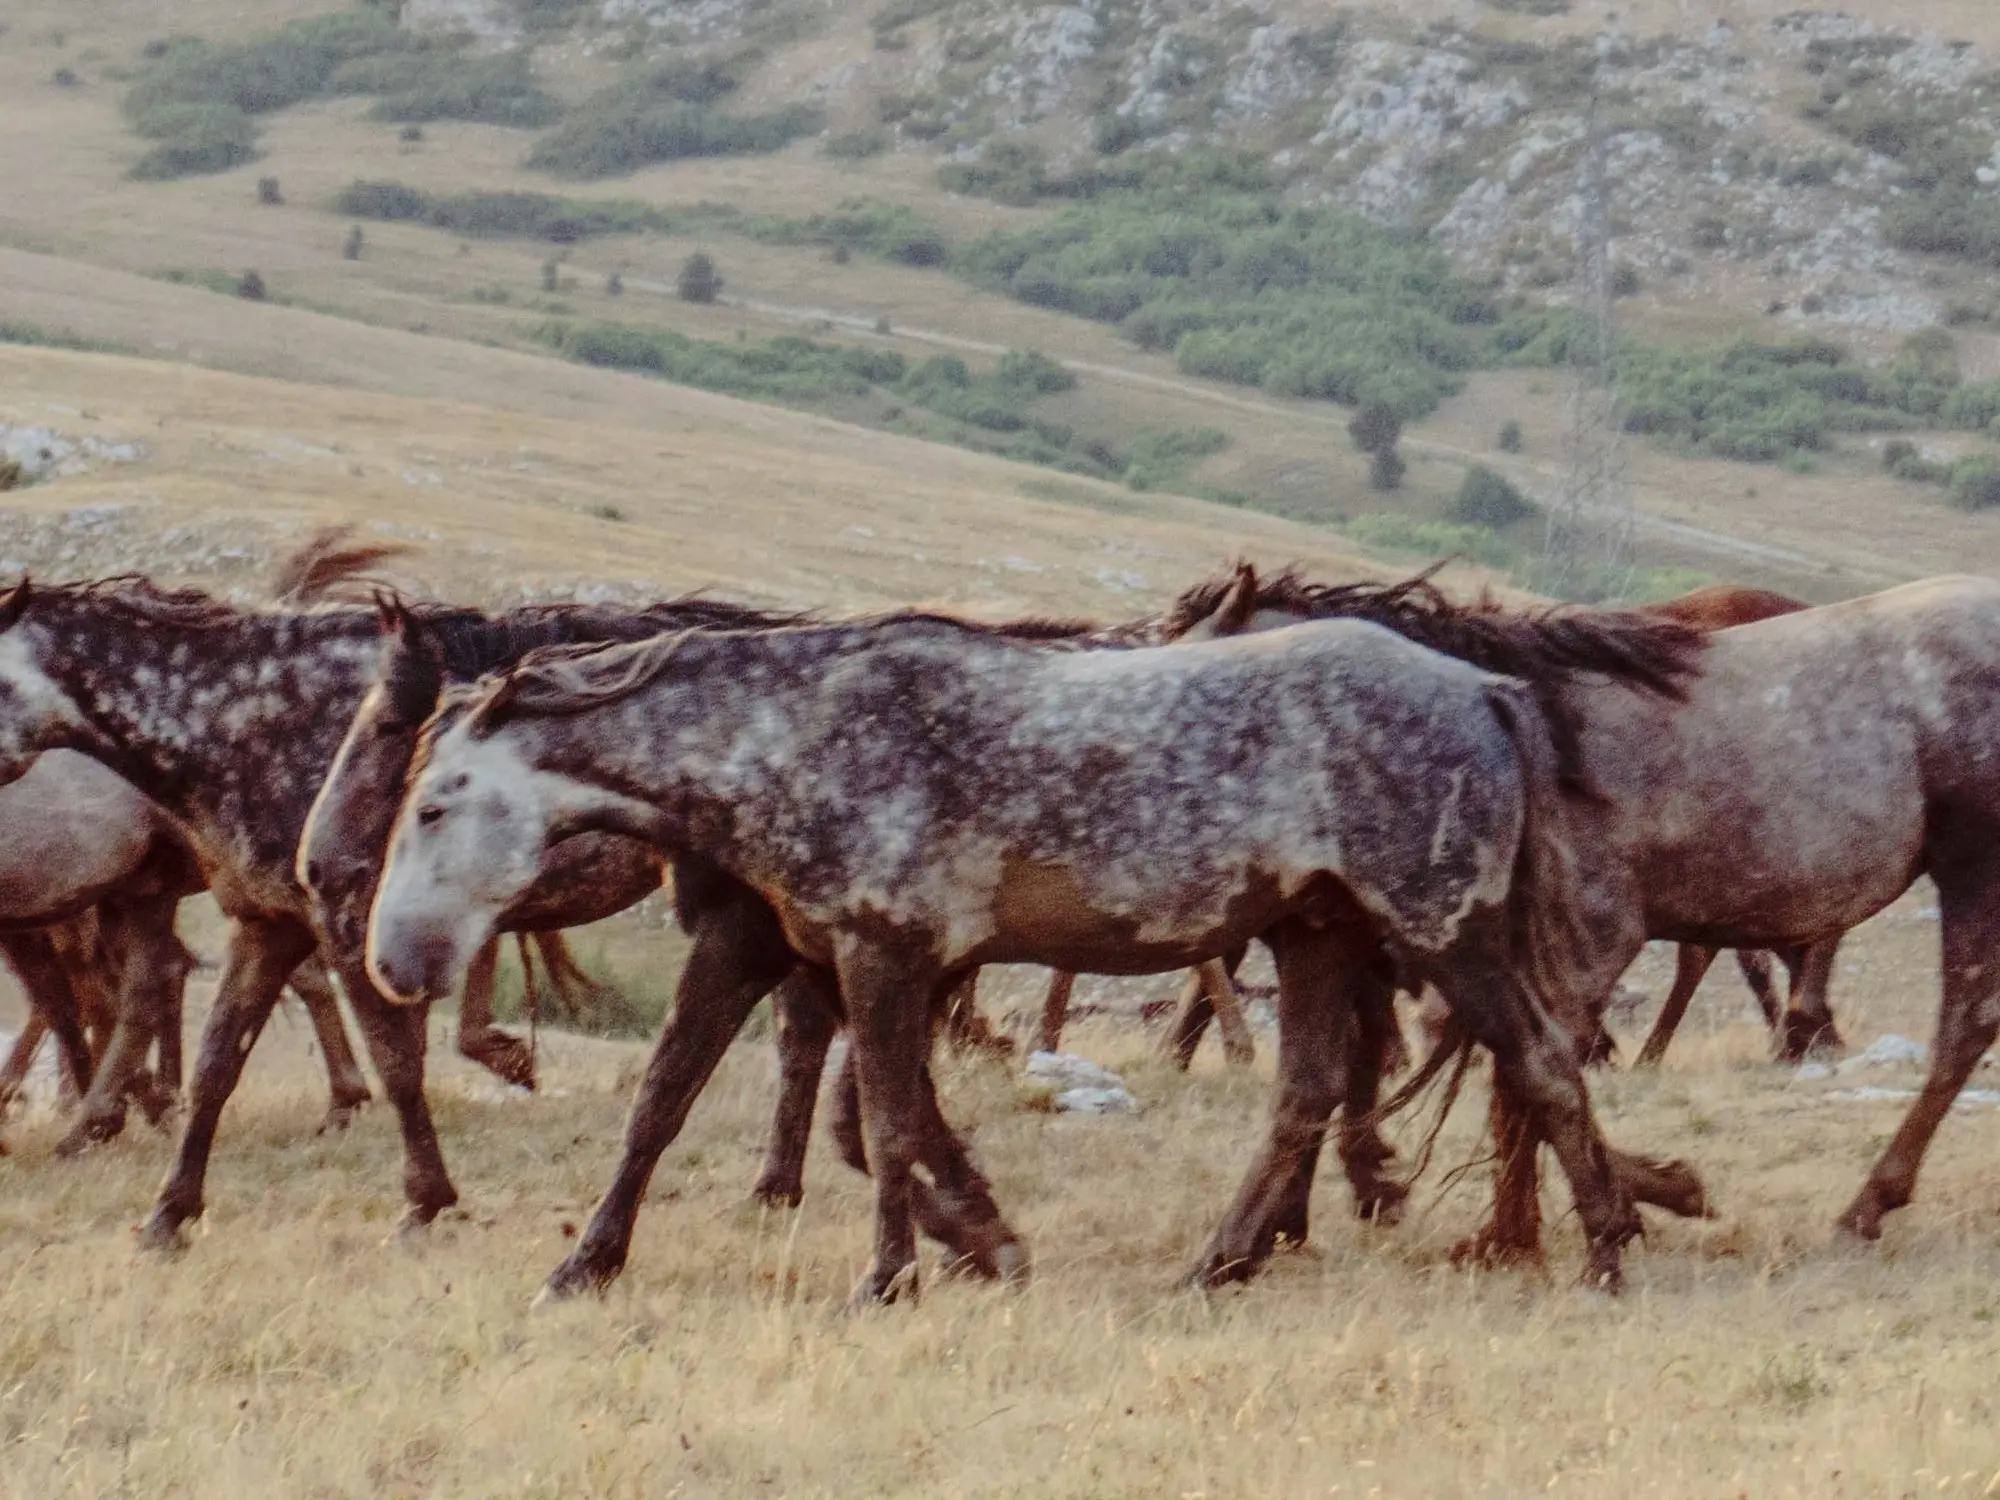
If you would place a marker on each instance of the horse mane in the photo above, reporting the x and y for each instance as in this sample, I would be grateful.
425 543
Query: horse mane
138 598
441 643
1545 648
1034 628
329 567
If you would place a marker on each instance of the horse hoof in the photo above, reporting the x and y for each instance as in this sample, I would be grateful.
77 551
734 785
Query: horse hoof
879 1288
1487 1249
162 1235
572 1279
1859 1225
777 1195
1604 1274
1012 1263
339 1117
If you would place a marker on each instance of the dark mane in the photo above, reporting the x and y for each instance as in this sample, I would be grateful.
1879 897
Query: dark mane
1548 649
1545 648
136 597
1040 628
444 643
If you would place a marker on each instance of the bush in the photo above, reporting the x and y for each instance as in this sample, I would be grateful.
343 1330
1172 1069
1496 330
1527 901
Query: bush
1033 371
268 192
614 284
1375 428
198 98
697 281
1975 483
1510 439
250 287
551 275
350 248
196 139
1487 498
857 145
663 113
1199 254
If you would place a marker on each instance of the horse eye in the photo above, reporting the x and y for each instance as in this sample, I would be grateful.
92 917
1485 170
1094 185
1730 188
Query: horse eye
312 872
429 815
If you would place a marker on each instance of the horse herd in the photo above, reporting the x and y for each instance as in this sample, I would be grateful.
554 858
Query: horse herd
1389 789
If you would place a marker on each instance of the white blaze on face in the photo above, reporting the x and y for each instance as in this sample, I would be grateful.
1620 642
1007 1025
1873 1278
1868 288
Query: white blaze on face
468 842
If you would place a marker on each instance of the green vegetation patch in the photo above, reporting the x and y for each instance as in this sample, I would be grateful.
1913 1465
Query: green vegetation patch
1200 256
199 99
664 112
940 398
1762 402
54 338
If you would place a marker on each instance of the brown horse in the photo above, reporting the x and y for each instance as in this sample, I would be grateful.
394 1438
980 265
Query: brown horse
1804 1023
916 797
1820 763
91 874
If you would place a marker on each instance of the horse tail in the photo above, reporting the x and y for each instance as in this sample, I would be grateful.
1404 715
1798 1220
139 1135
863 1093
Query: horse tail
1552 941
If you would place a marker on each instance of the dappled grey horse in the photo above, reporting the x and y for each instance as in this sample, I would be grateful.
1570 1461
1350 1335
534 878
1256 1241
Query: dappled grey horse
915 796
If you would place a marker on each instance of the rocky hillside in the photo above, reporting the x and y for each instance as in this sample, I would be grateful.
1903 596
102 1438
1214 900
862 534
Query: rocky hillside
1797 164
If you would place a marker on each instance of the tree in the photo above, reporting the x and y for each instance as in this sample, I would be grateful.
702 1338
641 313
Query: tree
251 287
1386 471
350 248
268 192
1510 439
1487 498
698 281
1375 427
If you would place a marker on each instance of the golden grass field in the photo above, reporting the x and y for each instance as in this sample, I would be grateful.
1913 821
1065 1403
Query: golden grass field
297 1350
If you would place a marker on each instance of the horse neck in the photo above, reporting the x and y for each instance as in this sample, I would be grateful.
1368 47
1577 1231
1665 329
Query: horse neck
229 726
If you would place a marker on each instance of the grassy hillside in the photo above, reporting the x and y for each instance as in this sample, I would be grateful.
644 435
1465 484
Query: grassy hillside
1831 520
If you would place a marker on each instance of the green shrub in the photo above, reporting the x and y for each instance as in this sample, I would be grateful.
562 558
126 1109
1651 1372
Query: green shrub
1011 172
1510 439
1386 469
250 287
1199 255
1375 427
195 139
52 338
197 98
1488 498
697 281
1032 371
857 145
1975 483
663 112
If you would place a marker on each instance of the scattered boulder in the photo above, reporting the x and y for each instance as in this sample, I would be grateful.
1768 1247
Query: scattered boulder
1080 1086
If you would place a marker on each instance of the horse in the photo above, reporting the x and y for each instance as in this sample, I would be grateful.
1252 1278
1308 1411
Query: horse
1804 1024
1819 764
228 718
347 834
915 797
91 874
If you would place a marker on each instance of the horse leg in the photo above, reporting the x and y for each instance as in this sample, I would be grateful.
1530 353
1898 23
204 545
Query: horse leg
575 991
178 963
739 955
1808 1026
262 954
886 989
1691 965
347 1085
500 1053
1191 1018
1196 1010
1237 1045
1756 966
21 1057
1535 1062
1055 1009
1316 1033
37 962
965 1028
960 1214
806 1024
140 944
1968 1020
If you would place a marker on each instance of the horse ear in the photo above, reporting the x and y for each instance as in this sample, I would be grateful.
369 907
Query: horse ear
392 613
1232 610
14 603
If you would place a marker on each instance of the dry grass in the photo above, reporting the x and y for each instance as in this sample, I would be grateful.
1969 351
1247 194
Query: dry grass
293 1351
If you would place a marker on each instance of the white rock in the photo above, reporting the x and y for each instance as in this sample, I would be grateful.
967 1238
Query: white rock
1887 1050
1067 1070
1096 1102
